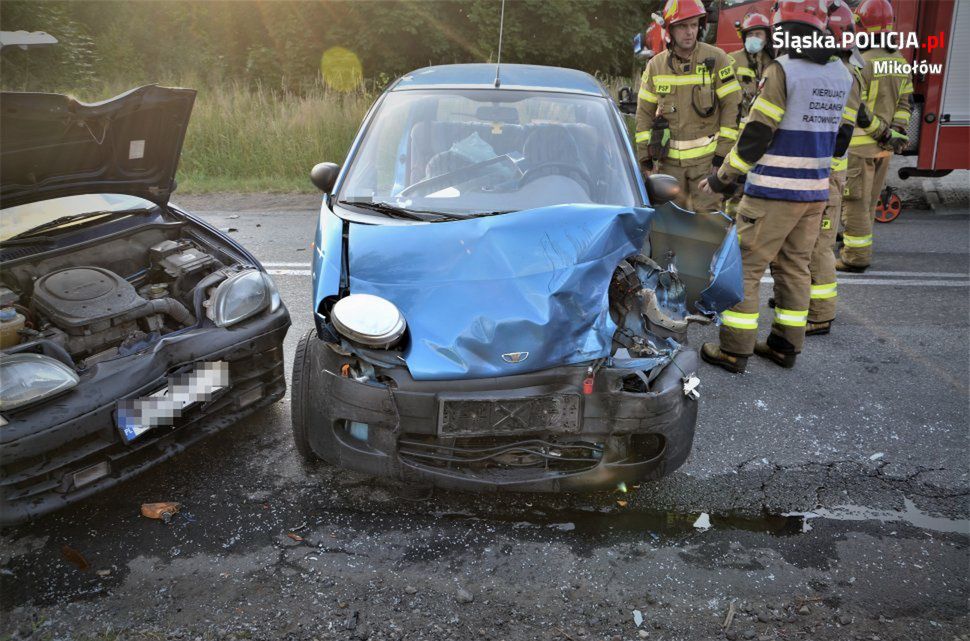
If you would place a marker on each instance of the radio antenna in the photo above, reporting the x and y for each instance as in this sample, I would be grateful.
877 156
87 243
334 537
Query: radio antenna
498 63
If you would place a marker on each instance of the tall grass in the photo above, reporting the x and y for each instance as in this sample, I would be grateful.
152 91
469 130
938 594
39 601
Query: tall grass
243 139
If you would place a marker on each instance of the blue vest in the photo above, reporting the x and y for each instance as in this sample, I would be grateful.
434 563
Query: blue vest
797 163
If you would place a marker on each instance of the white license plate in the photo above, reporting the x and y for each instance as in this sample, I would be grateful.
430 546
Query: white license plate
136 416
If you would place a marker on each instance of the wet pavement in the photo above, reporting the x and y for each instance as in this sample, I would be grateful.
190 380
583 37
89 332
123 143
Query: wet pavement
838 496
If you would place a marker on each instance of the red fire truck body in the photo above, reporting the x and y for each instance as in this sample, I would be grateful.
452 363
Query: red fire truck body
940 126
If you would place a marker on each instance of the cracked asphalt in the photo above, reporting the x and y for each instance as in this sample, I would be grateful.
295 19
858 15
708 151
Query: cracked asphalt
868 434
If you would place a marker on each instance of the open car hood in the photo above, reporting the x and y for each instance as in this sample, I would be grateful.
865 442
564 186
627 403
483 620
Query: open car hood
525 291
52 145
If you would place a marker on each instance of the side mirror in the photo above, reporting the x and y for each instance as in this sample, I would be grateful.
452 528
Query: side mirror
662 188
626 101
324 175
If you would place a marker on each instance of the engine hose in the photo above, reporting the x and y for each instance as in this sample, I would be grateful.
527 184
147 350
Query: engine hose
168 306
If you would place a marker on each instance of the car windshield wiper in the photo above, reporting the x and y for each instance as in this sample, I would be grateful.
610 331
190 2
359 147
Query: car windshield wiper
482 214
394 211
102 216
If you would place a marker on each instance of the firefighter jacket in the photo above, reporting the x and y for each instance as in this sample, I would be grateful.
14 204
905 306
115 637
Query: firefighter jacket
886 92
748 70
854 111
796 126
699 97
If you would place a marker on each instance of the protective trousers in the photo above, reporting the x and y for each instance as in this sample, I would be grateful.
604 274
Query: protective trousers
863 183
691 197
824 290
783 235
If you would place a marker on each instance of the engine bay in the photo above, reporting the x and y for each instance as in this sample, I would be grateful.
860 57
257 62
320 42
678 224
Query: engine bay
114 297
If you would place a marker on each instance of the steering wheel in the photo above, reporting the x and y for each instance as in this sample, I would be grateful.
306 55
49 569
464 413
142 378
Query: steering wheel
555 167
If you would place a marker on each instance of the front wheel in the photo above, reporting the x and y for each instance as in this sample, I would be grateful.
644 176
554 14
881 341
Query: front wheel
301 396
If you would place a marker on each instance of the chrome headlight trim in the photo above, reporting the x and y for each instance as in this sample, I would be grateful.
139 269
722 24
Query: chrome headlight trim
368 320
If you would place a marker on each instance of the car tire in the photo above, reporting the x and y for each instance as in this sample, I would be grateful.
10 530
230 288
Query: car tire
301 397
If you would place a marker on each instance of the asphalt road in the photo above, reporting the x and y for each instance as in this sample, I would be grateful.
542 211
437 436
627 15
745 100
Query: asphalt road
869 433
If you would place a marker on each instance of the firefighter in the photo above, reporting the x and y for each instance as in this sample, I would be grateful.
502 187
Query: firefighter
749 64
750 60
795 127
824 292
687 107
887 97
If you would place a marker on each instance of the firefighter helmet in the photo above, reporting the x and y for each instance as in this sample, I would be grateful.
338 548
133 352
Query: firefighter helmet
841 22
679 10
807 12
875 16
752 20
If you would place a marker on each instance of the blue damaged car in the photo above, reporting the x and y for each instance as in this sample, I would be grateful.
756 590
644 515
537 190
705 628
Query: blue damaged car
500 301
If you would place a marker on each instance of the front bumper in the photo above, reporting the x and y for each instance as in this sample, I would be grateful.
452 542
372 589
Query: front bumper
44 446
436 431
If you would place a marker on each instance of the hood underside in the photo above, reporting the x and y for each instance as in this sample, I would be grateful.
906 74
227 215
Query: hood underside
52 145
527 291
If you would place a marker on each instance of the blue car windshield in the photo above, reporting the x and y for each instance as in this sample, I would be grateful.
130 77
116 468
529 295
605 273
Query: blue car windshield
483 151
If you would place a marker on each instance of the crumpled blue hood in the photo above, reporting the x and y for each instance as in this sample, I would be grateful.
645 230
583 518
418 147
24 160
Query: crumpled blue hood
475 291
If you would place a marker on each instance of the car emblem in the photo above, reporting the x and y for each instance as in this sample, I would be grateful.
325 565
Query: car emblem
515 357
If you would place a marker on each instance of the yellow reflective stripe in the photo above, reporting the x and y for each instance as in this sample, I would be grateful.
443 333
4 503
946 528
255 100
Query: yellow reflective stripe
873 126
838 164
643 136
858 141
791 317
738 320
737 163
689 79
692 143
901 115
643 94
697 152
772 111
728 89
829 290
727 132
872 95
857 241
906 88
850 115
745 71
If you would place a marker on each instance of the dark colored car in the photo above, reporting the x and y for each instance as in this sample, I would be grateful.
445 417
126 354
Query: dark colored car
497 304
131 329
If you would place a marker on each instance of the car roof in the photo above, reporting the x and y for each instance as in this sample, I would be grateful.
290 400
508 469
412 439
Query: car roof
513 77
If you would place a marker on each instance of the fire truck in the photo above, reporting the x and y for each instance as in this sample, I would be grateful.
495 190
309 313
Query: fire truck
939 130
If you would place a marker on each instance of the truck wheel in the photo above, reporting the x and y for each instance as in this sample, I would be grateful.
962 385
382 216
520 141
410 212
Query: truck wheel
889 206
301 396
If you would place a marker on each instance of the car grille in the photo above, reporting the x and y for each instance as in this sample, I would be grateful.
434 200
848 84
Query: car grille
500 453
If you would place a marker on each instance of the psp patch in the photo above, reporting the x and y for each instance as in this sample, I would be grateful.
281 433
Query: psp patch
725 73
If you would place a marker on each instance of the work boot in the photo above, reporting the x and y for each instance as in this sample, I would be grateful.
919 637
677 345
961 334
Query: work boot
780 358
712 354
816 329
842 266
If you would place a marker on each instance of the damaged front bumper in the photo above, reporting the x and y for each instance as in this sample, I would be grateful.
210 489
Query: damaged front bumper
532 432
66 449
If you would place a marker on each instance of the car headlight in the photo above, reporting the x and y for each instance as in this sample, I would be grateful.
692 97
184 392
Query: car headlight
369 320
28 378
241 296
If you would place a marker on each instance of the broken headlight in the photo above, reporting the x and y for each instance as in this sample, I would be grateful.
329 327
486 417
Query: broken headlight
241 296
28 378
369 320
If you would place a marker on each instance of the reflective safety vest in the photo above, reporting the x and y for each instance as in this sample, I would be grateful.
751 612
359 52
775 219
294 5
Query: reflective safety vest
796 165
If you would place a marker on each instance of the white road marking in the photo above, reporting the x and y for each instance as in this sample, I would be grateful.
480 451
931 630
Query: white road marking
767 279
908 274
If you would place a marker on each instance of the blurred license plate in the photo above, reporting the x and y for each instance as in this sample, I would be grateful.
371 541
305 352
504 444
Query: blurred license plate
136 416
